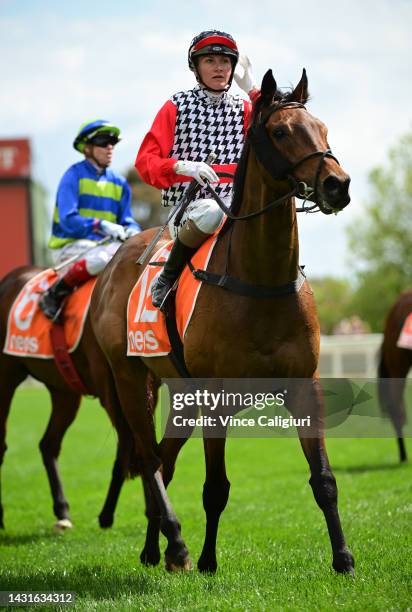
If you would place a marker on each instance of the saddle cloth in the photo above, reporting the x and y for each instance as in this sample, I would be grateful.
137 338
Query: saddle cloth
28 330
405 337
146 327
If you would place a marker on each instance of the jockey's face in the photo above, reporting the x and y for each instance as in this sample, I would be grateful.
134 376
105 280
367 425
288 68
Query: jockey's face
101 155
214 71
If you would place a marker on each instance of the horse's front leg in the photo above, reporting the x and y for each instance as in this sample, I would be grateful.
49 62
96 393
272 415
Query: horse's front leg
215 496
323 482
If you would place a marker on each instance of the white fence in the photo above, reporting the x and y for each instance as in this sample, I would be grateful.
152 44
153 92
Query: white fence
349 356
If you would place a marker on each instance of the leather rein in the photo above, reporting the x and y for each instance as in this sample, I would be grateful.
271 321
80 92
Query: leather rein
280 169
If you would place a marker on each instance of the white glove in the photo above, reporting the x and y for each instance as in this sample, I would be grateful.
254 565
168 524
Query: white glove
114 230
247 81
198 170
132 231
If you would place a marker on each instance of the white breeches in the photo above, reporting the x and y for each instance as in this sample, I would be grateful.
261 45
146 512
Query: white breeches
96 258
205 214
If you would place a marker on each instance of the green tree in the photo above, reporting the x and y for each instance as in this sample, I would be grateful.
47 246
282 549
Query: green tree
381 240
333 298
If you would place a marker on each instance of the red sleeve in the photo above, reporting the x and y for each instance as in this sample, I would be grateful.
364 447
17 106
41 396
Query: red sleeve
152 161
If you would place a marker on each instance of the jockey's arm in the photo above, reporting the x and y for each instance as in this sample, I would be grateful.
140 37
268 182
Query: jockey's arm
75 225
153 162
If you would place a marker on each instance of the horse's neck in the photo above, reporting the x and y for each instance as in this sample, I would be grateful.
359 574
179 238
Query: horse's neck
265 249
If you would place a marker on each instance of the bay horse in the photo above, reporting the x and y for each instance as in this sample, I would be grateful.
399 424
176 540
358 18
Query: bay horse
238 336
90 362
393 368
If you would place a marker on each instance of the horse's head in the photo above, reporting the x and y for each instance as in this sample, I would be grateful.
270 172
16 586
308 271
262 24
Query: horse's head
293 144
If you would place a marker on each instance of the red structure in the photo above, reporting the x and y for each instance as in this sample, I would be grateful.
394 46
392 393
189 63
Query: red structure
16 241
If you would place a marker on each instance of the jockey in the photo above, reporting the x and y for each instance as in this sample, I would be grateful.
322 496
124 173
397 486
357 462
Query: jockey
190 126
92 201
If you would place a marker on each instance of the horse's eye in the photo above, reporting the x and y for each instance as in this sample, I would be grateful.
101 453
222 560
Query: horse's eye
279 132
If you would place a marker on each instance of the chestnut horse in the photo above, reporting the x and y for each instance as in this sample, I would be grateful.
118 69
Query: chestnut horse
238 336
394 365
96 376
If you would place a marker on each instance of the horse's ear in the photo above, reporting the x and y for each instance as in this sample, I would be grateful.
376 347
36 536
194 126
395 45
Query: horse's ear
300 93
268 88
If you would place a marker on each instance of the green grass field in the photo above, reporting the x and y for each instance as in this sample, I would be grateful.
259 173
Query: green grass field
273 548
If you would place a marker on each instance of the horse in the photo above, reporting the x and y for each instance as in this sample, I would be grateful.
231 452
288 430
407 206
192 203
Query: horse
88 360
238 336
394 365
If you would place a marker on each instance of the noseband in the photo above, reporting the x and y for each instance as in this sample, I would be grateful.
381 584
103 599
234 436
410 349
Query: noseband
277 165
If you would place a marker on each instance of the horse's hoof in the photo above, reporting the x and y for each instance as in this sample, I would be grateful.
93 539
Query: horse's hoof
344 563
62 525
179 563
150 557
207 566
106 521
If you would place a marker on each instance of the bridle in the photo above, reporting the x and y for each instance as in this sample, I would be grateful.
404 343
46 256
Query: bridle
279 168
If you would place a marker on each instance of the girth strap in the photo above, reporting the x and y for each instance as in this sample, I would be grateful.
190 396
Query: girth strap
63 360
235 285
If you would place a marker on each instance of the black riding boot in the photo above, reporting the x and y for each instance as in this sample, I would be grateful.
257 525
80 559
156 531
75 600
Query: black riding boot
178 258
51 300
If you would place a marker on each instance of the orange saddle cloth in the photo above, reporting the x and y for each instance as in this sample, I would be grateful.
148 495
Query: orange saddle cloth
146 327
28 330
405 337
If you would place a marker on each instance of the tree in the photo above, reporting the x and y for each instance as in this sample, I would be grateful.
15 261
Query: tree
333 297
381 240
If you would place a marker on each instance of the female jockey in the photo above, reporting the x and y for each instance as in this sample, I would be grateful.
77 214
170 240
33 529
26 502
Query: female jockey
190 126
92 201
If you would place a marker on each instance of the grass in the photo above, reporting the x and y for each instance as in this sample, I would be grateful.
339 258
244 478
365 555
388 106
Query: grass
273 548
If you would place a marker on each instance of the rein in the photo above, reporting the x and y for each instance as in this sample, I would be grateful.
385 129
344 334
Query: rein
278 167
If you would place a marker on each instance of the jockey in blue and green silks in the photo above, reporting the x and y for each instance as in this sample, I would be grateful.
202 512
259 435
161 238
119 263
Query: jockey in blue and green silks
92 201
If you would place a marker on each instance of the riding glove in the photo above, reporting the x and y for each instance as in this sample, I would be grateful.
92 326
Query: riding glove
247 81
114 230
198 170
131 231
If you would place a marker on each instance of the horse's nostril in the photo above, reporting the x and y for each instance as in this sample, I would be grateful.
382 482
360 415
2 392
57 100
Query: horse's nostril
335 185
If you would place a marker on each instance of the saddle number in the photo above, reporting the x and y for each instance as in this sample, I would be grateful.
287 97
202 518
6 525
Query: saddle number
25 309
145 313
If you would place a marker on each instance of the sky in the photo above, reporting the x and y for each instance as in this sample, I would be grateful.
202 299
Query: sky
63 63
